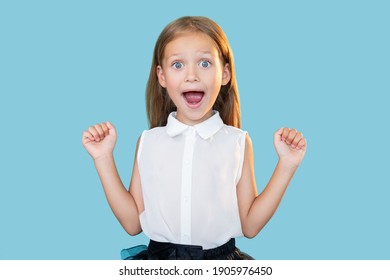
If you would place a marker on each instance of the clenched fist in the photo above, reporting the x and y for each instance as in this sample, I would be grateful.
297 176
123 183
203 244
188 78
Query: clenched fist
290 145
99 140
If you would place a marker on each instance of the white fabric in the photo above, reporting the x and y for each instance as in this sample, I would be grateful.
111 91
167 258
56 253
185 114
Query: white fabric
189 176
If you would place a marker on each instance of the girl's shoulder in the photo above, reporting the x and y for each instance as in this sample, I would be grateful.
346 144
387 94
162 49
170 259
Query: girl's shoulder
153 133
234 130
154 130
232 135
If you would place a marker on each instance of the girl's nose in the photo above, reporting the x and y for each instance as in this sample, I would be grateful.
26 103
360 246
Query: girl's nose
191 74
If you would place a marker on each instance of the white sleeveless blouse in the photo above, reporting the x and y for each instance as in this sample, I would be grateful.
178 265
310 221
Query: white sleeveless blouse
189 176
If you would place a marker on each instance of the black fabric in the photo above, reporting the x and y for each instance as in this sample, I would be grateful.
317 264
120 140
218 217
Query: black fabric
170 251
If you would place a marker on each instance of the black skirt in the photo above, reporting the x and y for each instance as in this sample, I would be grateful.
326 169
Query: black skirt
170 251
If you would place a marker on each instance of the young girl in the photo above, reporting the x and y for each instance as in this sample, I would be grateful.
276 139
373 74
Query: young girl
193 187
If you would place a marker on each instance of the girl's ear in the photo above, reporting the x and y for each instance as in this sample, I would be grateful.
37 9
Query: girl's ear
226 75
161 77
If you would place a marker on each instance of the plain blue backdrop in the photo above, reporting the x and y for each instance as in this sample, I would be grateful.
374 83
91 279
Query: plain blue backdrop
320 66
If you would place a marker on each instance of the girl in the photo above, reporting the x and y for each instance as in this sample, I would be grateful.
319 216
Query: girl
193 187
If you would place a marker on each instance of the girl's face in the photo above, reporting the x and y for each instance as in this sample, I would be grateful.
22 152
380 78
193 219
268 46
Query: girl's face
193 73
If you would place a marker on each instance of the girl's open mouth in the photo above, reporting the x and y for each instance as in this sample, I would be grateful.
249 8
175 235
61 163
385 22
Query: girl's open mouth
193 98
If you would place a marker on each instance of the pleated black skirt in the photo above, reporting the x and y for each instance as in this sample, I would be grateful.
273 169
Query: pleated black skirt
170 251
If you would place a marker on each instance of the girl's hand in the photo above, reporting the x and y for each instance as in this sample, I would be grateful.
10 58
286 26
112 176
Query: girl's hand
290 145
99 140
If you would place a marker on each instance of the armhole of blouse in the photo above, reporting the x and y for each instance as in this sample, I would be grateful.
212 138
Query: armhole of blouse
243 139
141 141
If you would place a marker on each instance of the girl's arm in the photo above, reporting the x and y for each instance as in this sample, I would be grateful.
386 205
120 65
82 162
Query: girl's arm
99 141
256 210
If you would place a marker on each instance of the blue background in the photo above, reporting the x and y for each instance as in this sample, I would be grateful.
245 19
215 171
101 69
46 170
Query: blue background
320 66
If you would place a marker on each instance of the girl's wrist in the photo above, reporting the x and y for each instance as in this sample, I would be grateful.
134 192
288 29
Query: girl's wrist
104 157
287 165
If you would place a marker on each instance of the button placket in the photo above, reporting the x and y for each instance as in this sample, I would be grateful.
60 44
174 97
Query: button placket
185 218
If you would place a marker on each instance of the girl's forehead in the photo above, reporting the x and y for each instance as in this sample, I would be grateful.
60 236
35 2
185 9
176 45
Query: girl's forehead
190 41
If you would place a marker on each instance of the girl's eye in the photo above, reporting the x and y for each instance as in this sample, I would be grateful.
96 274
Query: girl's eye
205 64
177 65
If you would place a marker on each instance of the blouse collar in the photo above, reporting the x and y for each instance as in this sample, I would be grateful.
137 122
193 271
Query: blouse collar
205 129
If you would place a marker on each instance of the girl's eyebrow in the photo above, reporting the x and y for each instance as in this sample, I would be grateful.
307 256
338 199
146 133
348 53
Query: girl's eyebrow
174 54
208 54
199 52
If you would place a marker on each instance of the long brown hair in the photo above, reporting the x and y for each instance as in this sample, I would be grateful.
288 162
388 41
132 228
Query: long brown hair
158 103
